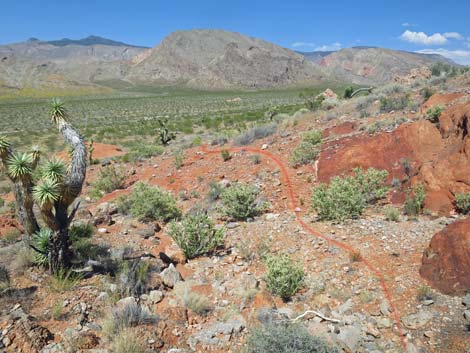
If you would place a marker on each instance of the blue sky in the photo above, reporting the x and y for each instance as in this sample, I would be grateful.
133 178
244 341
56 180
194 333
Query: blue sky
427 26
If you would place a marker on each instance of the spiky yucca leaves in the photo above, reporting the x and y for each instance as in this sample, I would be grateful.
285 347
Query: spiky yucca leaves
58 112
46 193
41 242
55 170
4 146
20 166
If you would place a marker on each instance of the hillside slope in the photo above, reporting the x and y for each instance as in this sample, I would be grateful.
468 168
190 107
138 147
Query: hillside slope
370 65
221 59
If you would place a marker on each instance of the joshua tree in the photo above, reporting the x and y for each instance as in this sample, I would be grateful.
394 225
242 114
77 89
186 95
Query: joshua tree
165 135
52 186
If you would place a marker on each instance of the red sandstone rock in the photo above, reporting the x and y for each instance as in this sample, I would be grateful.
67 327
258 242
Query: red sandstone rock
446 262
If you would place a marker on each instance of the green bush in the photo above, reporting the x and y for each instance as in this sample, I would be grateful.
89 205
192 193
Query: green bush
225 155
462 201
140 150
308 149
80 230
2 202
284 338
110 178
414 202
284 277
346 197
240 202
196 235
433 114
392 214
149 203
394 103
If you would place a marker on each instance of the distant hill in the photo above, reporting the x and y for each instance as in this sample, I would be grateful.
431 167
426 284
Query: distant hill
209 59
90 41
372 65
221 59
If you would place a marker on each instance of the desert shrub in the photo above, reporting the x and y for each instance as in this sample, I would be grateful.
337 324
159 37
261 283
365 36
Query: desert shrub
392 214
4 278
433 114
284 277
11 236
109 179
80 230
128 342
142 150
393 103
255 133
424 293
282 338
462 202
41 242
24 259
179 160
312 103
414 202
64 280
129 315
346 197
2 202
390 89
215 191
363 103
240 202
132 278
196 235
426 93
149 203
329 103
225 155
195 302
308 149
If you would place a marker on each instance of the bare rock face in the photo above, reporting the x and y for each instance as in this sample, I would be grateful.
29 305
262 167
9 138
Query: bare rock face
446 261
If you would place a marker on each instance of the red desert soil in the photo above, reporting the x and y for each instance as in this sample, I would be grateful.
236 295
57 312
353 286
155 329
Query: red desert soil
446 262
101 151
443 99
8 225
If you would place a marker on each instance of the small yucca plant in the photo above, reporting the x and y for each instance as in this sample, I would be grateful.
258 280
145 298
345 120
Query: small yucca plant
41 244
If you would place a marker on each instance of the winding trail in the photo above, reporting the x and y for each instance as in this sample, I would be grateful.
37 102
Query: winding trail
306 227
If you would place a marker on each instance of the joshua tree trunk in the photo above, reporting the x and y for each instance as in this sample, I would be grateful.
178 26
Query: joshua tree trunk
24 205
60 254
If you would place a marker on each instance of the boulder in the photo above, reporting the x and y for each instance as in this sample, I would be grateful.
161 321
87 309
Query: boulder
446 262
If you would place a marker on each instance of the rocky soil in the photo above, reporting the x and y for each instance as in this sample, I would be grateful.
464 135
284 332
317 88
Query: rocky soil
375 302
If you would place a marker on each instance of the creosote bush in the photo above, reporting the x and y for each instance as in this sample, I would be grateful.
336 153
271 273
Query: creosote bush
240 202
196 235
149 203
347 197
284 277
282 338
462 202
308 149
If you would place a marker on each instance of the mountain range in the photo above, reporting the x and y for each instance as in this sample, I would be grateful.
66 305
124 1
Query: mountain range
209 59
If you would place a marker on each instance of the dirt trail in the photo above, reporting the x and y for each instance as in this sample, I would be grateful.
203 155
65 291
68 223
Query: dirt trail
298 214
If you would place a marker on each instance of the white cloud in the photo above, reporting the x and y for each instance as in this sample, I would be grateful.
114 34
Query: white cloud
459 56
329 47
423 38
453 35
408 24
303 44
